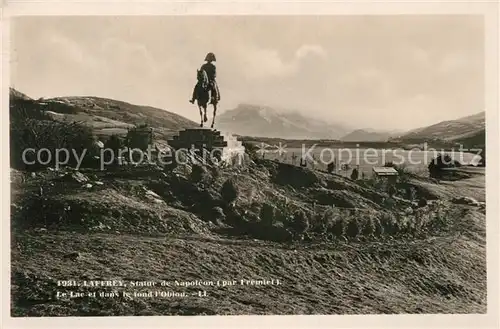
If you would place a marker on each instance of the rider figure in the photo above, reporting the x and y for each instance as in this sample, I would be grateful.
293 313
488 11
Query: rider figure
210 69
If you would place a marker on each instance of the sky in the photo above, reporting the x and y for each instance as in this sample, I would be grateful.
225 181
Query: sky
381 72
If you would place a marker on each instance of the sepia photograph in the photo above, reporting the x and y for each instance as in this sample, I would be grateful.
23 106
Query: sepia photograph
200 165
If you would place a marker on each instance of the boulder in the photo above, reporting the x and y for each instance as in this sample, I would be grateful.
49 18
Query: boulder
422 202
340 198
466 201
72 256
77 177
297 177
218 215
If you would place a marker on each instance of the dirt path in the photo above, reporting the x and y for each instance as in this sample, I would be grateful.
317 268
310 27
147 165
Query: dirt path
473 187
407 277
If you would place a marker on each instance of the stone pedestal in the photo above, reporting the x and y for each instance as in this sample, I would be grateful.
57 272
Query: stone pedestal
209 142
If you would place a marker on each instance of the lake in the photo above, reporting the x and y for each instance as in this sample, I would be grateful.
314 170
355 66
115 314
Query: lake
366 159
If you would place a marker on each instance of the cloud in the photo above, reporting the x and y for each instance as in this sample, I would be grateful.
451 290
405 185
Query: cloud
452 63
264 63
375 85
306 50
68 50
420 56
260 63
127 56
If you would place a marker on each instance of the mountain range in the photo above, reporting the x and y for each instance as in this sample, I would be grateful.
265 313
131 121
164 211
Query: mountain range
108 116
368 135
265 121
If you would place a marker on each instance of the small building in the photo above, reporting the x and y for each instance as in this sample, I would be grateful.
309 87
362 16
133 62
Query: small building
387 173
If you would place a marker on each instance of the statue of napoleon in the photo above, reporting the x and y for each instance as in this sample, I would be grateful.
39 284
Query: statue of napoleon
206 90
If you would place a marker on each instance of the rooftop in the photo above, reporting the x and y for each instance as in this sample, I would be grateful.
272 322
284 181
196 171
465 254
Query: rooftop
385 171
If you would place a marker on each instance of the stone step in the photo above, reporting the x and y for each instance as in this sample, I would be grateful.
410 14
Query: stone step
207 139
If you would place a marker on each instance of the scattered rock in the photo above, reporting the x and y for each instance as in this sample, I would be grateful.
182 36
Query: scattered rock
466 201
72 256
340 198
33 175
422 202
152 194
218 213
87 185
408 210
99 183
16 176
198 173
40 229
77 176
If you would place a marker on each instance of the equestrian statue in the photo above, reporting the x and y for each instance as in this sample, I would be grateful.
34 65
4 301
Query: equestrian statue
206 90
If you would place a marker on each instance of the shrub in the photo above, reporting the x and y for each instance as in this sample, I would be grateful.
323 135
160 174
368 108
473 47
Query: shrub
355 174
114 143
140 137
267 214
229 192
352 229
438 221
439 163
198 173
330 167
368 227
214 173
482 161
251 149
338 227
323 221
22 110
300 222
51 135
404 174
377 227
389 224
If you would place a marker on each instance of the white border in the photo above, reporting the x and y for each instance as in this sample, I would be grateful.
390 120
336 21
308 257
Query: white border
488 9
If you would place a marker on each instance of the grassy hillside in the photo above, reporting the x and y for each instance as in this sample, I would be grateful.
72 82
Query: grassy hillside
105 116
475 140
449 130
362 256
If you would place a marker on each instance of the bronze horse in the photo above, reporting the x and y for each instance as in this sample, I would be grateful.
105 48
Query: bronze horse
204 95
